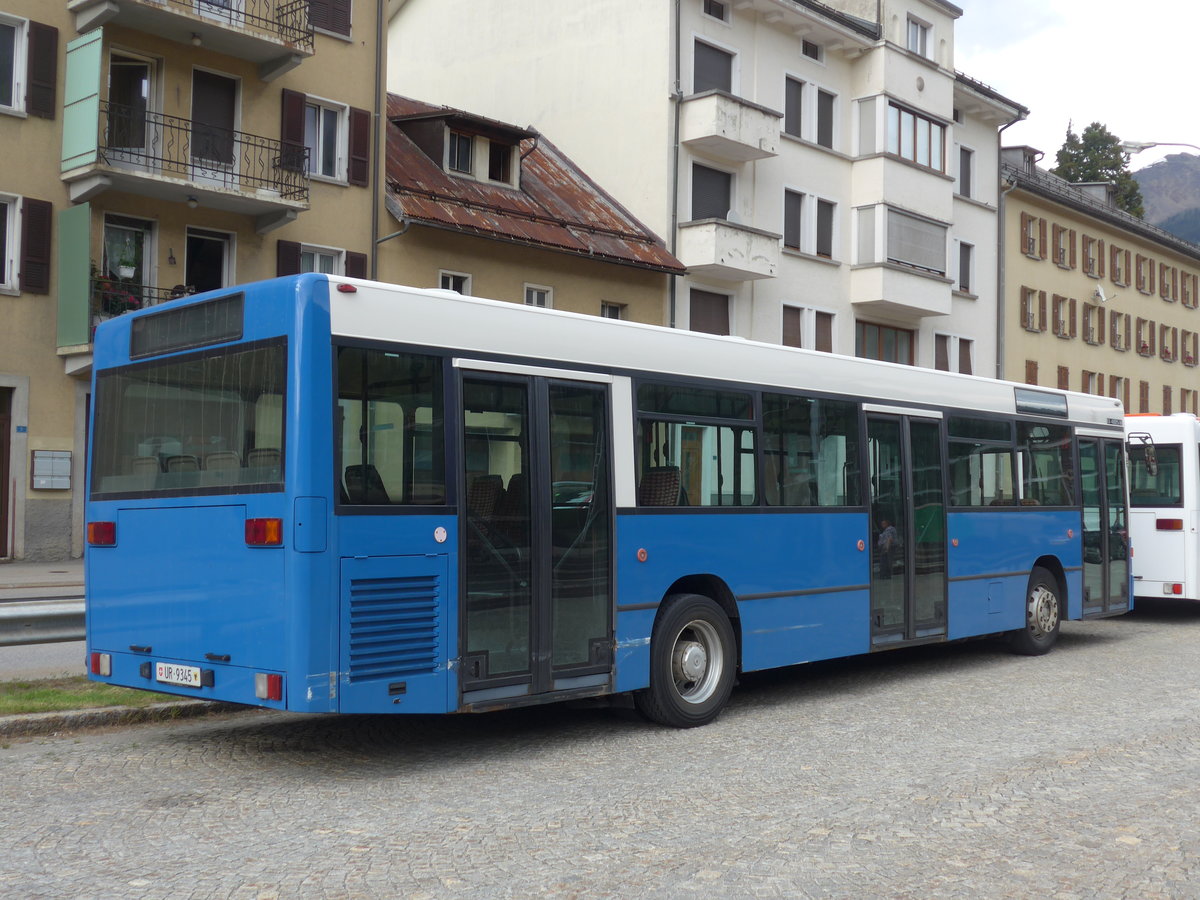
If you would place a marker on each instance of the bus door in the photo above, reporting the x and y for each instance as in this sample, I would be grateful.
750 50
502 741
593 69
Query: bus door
1105 527
536 605
908 529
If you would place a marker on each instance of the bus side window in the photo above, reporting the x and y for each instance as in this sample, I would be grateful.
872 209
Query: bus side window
810 448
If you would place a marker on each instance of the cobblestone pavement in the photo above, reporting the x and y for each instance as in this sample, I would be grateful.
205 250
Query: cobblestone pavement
955 771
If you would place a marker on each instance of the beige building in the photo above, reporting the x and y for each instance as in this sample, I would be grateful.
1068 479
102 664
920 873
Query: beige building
493 210
1095 300
167 147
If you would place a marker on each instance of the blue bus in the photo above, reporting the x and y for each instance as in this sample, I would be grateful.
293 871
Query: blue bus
323 494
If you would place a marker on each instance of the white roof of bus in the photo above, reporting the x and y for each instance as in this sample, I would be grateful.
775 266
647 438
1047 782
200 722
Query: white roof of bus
554 338
1174 428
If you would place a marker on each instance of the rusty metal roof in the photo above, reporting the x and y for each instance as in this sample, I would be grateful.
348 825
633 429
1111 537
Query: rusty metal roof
556 205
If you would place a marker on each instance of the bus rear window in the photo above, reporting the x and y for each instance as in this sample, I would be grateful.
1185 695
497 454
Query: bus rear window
1162 489
208 423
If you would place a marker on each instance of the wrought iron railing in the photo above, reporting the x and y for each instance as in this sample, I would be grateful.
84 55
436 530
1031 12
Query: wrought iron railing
286 20
112 297
159 144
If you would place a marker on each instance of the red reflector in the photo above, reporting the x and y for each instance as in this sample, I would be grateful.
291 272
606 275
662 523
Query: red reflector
100 664
1177 589
1169 524
347 289
102 534
264 532
274 687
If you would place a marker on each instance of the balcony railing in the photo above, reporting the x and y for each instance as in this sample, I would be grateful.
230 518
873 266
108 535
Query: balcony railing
211 157
111 297
284 19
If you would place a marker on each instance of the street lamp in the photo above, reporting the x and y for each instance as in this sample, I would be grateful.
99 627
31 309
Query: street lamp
1139 146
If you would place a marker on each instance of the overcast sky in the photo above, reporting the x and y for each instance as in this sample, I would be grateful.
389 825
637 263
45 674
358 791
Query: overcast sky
1133 66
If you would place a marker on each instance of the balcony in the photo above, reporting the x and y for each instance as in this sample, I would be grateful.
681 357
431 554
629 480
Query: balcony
899 292
180 160
717 248
275 34
728 128
109 298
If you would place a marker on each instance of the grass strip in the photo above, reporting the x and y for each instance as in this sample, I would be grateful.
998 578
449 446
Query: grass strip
64 694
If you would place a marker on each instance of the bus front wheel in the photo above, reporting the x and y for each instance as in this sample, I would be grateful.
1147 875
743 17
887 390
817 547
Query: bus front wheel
1043 615
692 662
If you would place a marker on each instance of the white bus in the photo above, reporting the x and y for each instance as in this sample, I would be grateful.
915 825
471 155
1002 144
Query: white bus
1164 504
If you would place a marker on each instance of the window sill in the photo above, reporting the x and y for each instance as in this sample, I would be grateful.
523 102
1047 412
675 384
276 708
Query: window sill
813 145
920 167
14 112
326 179
982 204
811 257
964 295
334 34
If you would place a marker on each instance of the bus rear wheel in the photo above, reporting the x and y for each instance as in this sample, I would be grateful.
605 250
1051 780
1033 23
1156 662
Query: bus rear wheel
1043 615
692 662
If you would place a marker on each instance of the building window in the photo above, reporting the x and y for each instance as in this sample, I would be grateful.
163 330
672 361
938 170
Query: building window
884 342
1118 265
709 312
915 137
1118 388
1063 240
1143 274
12 62
1093 256
8 243
332 15
325 137
1062 313
810 329
1088 381
712 191
612 310
1168 343
1145 337
1187 289
1168 282
1033 236
953 354
1187 401
825 229
716 9
793 106
825 112
539 295
499 162
455 281
1093 325
918 37
324 260
1189 342
811 49
458 149
918 243
793 209
966 266
713 69
1120 331
966 172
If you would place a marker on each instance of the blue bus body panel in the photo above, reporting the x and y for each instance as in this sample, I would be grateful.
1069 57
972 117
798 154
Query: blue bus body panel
793 557
989 567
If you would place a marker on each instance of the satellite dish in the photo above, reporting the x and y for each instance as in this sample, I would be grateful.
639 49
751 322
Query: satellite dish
1099 295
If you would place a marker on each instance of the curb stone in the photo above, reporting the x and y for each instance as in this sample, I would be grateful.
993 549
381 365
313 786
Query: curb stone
49 723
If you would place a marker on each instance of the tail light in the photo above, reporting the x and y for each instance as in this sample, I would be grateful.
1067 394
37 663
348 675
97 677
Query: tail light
268 687
101 664
102 534
1169 524
264 532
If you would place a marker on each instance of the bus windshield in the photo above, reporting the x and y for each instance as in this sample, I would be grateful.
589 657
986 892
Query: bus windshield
1165 486
205 423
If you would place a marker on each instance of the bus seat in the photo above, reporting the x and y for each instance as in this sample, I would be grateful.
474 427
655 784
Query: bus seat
142 465
364 485
263 457
223 459
483 495
183 462
659 487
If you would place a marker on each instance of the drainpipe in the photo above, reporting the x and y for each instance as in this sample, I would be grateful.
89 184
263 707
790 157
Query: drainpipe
377 130
677 102
1000 305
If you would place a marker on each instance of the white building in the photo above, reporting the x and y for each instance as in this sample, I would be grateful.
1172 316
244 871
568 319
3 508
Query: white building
826 176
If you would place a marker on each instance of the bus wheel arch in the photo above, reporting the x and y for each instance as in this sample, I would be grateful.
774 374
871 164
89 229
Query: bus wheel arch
693 661
1045 606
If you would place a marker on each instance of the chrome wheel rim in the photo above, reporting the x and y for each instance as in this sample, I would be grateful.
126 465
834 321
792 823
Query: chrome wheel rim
1043 611
697 661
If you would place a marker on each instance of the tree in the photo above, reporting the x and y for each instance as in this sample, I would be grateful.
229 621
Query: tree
1096 156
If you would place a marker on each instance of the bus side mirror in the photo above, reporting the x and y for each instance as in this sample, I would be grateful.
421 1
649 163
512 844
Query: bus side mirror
1141 441
1151 461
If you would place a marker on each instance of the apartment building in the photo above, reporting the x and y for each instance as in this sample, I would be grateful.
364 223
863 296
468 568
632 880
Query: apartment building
166 147
821 169
1096 300
496 210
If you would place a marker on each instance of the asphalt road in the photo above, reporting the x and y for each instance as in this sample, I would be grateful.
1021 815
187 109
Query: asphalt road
34 661
957 771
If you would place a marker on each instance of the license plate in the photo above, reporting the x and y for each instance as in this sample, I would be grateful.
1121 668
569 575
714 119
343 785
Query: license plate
170 673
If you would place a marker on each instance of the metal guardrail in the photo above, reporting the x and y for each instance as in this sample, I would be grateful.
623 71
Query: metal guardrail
41 622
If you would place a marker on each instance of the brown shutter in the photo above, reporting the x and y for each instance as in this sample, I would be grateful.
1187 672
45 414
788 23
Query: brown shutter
1100 256
824 332
42 70
791 327
941 352
1100 325
36 219
1073 316
709 312
356 265
360 147
1041 324
1031 371
1144 397
1026 314
1166 399
965 363
287 258
318 14
331 15
1025 248
291 131
1071 238
1056 314
1064 378
1042 238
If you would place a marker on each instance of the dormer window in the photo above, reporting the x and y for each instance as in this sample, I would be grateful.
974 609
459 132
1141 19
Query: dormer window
499 162
458 158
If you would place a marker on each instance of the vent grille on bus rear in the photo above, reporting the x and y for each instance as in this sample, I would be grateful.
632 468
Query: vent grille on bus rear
393 627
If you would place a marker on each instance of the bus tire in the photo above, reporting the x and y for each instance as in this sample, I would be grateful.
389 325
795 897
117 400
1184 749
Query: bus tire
1043 615
692 661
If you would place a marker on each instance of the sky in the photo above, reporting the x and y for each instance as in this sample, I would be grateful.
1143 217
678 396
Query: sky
1132 66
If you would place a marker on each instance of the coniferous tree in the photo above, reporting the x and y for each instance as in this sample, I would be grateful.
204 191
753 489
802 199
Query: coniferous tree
1097 156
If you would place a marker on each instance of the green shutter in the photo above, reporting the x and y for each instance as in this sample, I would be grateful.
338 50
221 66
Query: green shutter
81 100
74 257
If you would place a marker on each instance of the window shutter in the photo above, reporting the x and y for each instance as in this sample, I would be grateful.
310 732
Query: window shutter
1041 238
1100 325
1041 311
1025 247
709 312
824 335
1026 315
791 327
318 14
360 147
287 258
339 16
1166 399
1056 314
356 265
42 70
965 349
291 132
941 352
1100 257
1064 378
1071 238
1073 311
36 219
1031 368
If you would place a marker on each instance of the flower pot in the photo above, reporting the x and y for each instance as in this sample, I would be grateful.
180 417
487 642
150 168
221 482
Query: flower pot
126 271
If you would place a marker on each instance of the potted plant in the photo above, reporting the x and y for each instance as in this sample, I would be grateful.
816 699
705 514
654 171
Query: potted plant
126 267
